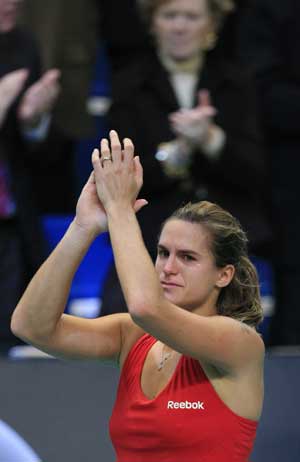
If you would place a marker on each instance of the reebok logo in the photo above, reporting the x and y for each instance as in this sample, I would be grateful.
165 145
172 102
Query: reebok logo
185 405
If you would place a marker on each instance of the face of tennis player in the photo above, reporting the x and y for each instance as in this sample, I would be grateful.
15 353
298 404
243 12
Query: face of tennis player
186 267
8 14
180 26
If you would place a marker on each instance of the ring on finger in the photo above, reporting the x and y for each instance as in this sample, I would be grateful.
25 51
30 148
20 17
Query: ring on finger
106 158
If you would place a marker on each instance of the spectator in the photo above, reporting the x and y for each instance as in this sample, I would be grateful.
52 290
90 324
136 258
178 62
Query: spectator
25 102
270 45
67 34
126 39
197 111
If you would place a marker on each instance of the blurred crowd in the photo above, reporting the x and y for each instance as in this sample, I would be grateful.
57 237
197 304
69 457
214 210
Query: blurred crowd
209 91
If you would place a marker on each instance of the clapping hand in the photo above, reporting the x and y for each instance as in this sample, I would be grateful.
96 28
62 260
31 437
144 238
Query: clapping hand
10 87
117 174
194 125
39 98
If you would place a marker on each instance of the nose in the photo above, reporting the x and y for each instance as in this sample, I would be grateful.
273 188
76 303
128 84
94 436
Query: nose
179 23
170 265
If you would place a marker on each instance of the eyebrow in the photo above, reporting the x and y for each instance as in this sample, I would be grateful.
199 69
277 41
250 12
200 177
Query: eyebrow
191 252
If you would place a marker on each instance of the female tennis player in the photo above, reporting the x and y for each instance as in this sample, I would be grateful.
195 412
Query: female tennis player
191 361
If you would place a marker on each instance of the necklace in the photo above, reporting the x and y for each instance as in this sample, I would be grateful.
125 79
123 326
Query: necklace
164 358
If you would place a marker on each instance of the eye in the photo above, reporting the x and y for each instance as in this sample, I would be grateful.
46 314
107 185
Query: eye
188 257
194 17
162 253
168 15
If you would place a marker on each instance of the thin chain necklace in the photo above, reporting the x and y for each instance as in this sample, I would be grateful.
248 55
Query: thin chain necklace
164 358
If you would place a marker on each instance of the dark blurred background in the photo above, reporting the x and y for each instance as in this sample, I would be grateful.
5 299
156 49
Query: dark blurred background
100 49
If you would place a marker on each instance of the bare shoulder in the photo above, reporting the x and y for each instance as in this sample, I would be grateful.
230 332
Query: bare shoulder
243 343
253 338
239 381
241 331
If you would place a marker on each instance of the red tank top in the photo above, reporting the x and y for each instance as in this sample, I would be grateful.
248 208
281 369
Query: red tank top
186 422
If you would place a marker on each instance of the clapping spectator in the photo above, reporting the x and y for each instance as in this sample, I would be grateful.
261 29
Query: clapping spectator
26 100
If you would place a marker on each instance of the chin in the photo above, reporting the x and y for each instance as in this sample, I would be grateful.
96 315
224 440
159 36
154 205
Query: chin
183 54
178 301
181 57
172 297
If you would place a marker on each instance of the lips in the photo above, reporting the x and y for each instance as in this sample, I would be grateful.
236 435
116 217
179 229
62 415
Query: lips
169 284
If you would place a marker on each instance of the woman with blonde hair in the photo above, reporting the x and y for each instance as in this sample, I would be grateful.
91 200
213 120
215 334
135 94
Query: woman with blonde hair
191 384
192 115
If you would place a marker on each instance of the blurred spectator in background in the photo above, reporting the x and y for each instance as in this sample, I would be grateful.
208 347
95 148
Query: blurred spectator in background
127 39
270 46
67 32
26 99
192 114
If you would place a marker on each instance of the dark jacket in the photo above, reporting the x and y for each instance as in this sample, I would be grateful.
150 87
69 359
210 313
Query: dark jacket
18 50
142 100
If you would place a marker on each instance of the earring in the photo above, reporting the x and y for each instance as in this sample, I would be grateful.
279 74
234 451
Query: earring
210 41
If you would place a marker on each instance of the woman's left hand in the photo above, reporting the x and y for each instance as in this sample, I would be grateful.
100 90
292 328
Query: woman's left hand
118 173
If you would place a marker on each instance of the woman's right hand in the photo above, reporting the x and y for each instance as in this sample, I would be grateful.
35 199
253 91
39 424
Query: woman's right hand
90 214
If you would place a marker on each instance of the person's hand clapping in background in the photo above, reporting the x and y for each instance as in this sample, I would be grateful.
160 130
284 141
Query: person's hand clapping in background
36 101
39 98
196 125
194 129
10 87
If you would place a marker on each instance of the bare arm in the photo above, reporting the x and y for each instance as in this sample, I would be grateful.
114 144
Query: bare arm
38 317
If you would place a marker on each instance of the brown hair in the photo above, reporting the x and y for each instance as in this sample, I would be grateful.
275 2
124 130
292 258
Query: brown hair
241 298
218 8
